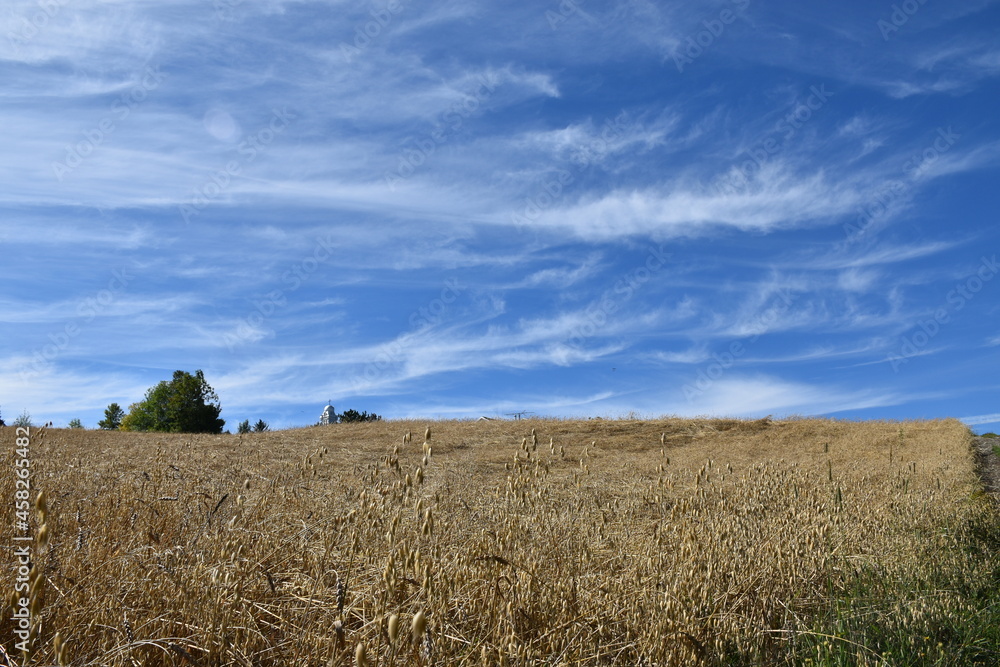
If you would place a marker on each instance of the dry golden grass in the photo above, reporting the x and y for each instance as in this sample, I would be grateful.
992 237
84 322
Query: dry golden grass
533 542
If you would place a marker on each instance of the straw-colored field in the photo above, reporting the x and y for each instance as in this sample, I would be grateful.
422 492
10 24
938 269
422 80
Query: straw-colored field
588 543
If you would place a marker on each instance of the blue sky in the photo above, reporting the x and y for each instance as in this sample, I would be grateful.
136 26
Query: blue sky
451 209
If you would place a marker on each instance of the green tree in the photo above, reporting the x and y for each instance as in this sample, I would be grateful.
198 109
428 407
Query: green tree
244 426
113 416
355 416
185 404
24 420
261 426
150 414
75 423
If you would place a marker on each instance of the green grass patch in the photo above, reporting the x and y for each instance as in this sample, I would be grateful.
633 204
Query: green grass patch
944 612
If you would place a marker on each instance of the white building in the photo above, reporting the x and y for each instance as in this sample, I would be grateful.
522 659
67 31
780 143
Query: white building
329 415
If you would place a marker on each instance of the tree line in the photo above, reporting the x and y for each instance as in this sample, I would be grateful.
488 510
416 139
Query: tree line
188 404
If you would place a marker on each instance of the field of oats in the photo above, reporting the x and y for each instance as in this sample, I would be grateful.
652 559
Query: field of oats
541 542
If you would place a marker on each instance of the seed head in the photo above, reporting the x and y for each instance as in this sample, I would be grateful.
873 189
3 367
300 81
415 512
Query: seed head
418 626
41 507
43 536
393 627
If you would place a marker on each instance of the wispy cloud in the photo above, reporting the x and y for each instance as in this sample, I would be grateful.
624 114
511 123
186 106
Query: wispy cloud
752 396
981 419
678 210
